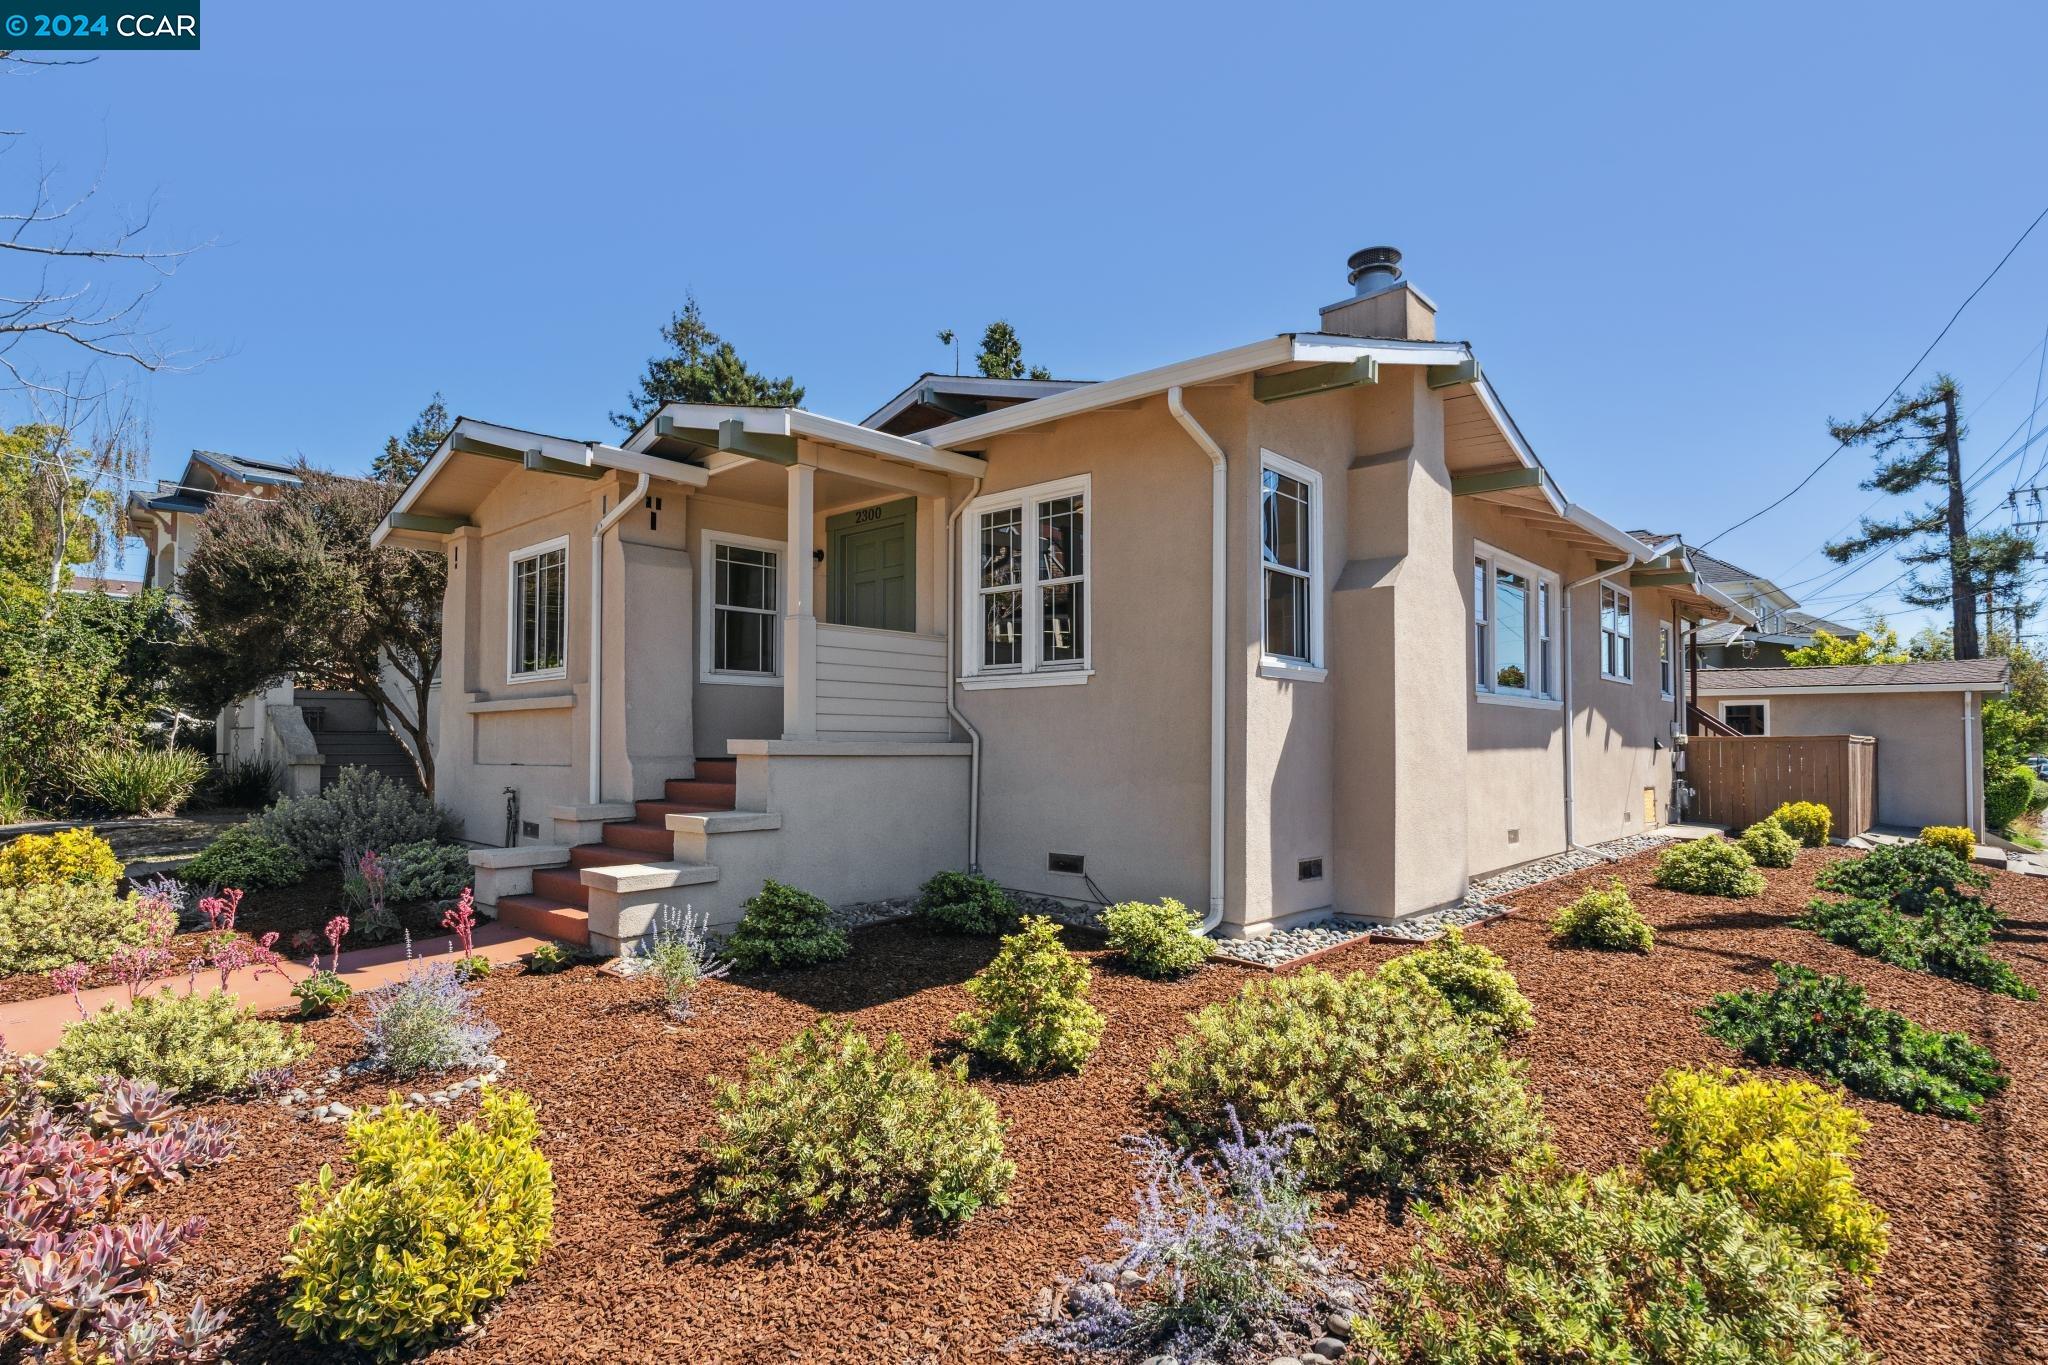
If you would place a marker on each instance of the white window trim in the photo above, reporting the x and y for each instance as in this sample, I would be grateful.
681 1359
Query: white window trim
1032 672
707 608
512 562
1667 661
1483 614
1600 629
1765 702
1283 666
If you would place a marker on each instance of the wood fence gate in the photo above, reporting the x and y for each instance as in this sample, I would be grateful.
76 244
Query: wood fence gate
1738 781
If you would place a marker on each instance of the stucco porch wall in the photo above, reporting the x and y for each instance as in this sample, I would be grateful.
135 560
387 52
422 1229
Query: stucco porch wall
1923 777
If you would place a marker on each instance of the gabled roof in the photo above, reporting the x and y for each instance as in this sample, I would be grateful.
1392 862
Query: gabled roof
245 469
933 400
1928 675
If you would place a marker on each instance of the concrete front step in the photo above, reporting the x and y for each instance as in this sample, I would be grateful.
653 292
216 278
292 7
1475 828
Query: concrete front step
564 886
638 837
657 812
698 791
718 770
540 915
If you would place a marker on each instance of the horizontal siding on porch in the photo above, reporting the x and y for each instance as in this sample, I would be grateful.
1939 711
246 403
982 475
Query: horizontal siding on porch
881 682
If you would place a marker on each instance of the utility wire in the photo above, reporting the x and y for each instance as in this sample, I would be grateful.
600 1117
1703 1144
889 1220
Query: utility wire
1910 372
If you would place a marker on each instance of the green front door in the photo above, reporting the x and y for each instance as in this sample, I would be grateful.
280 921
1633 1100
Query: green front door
871 566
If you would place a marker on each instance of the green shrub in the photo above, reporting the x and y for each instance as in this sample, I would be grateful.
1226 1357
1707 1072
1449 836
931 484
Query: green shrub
1780 1147
433 1227
321 993
548 958
1401 1093
1545 1266
53 924
69 855
133 779
1604 918
1032 1010
2007 794
427 870
829 1124
241 783
1806 821
784 927
1955 840
195 1045
1708 867
1907 875
242 856
1948 938
964 903
1769 845
2038 802
1824 1025
361 809
1475 981
1156 940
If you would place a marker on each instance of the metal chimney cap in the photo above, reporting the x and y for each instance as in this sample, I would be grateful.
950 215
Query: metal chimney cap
1374 269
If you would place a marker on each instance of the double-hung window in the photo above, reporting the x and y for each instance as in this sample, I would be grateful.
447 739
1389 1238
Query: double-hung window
537 629
1617 635
1667 662
741 608
1514 651
1026 558
1290 567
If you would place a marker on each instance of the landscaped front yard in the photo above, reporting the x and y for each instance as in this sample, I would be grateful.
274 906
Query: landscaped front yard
638 1270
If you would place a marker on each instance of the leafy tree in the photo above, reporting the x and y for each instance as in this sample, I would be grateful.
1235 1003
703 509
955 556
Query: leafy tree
292 585
404 456
1002 354
58 503
701 367
1929 643
1866 648
1918 445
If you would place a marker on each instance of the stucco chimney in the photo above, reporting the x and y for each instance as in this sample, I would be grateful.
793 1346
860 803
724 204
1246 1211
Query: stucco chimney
1383 303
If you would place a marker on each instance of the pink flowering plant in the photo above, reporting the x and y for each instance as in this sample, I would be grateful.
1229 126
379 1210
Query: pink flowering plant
77 1285
366 886
324 991
460 920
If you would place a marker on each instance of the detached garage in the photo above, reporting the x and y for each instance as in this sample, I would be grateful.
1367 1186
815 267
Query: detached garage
1927 719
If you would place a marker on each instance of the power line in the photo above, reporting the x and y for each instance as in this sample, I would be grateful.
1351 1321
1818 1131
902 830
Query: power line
1910 372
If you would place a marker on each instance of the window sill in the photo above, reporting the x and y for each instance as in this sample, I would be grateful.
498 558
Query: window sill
551 675
742 679
1291 670
998 681
1508 699
1617 678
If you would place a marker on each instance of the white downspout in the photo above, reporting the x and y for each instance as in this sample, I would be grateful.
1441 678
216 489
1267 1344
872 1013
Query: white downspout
1971 817
954 633
604 523
1571 838
1219 492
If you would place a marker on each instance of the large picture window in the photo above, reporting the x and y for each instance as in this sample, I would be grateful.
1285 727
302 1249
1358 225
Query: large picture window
1027 561
537 634
1617 635
1290 566
1513 636
741 608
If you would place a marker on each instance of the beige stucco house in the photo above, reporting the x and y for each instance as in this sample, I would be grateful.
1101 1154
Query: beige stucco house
1295 628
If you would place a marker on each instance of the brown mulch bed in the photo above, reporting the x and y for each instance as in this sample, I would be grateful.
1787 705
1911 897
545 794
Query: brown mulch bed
637 1273
304 906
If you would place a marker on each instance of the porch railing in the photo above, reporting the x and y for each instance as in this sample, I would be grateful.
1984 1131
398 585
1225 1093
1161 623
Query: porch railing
881 682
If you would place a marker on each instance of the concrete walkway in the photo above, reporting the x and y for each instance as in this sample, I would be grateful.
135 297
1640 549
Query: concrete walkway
31 1026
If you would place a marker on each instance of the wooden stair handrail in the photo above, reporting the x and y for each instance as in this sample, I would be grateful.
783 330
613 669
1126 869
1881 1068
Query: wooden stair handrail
1704 723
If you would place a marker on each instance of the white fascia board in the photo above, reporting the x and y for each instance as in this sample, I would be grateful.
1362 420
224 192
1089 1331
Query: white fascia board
1842 689
816 427
1736 611
970 386
1322 347
653 466
1620 540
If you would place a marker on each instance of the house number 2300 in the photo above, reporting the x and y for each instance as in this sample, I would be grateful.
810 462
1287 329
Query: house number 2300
867 514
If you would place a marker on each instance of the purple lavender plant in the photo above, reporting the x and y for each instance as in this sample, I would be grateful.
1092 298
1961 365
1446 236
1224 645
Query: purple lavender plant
426 1022
1220 1260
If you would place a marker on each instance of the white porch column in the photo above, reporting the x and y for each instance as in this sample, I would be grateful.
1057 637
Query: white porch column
799 621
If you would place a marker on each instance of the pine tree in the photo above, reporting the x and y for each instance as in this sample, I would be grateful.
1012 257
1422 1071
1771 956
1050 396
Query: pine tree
1926 432
1002 354
404 456
701 367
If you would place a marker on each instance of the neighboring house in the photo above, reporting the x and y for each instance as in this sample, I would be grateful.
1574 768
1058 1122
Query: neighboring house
84 585
309 733
1293 628
1780 625
1927 719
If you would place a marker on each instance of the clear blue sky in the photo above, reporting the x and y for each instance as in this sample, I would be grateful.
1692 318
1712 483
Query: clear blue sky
1681 238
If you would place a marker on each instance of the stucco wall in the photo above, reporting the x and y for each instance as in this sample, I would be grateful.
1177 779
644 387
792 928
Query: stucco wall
1921 768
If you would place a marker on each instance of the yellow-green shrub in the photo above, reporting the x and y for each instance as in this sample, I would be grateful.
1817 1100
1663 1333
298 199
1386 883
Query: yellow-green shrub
200 1044
434 1225
1157 940
1951 838
1781 1147
1806 821
1769 844
1604 918
69 855
1473 980
53 924
1708 867
1033 1013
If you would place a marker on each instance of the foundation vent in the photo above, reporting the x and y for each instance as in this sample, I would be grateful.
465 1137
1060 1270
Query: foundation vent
1309 870
1072 864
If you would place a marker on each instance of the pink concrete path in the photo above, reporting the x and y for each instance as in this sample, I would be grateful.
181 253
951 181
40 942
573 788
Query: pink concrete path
33 1025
